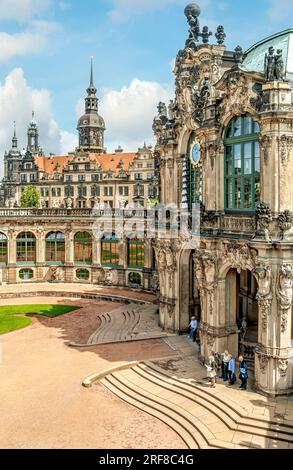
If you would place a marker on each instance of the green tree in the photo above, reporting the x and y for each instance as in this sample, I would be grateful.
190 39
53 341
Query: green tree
30 197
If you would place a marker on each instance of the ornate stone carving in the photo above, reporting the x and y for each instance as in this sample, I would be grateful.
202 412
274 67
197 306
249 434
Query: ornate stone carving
238 92
238 256
285 222
265 145
264 294
285 147
263 361
283 366
284 292
263 217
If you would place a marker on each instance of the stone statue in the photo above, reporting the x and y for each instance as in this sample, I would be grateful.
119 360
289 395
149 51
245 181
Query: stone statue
270 65
286 285
205 90
192 12
264 277
279 66
68 203
274 67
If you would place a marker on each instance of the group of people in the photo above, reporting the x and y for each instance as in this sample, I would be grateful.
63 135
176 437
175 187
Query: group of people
224 362
227 364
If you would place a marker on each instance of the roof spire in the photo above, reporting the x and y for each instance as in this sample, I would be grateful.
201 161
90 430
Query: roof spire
92 73
14 138
92 89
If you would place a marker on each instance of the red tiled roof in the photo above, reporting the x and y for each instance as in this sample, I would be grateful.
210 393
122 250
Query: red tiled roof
108 161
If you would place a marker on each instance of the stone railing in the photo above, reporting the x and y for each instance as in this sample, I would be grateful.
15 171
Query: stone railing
17 212
70 213
222 223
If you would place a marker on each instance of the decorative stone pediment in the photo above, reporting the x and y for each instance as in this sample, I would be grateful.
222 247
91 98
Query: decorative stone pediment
238 256
240 93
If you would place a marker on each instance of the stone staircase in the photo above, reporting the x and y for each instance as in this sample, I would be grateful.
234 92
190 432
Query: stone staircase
128 323
200 416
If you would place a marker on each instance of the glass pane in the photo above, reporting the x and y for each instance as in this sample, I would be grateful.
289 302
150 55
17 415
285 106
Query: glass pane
255 127
247 193
256 149
229 132
237 126
247 125
238 193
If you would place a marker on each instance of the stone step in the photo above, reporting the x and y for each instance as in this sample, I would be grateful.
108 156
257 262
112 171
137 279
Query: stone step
236 415
127 323
199 434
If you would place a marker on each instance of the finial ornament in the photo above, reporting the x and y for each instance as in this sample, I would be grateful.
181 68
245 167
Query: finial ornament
220 34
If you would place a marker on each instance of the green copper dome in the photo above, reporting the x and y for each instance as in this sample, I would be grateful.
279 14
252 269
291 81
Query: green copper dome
255 55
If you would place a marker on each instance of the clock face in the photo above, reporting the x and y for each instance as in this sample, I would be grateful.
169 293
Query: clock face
195 153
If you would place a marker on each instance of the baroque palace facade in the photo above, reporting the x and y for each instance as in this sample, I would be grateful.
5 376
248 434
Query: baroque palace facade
226 143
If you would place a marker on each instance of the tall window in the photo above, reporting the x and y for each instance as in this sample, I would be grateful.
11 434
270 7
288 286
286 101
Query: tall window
26 248
83 247
3 249
55 248
110 253
242 164
135 253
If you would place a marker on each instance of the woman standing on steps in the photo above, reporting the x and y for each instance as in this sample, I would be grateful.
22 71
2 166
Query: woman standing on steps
212 370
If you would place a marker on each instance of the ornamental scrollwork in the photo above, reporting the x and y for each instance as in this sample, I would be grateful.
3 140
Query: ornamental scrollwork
285 143
283 366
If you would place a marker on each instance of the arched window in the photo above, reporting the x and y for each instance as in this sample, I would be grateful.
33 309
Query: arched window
242 164
55 248
3 249
135 253
109 248
83 274
192 174
26 248
83 247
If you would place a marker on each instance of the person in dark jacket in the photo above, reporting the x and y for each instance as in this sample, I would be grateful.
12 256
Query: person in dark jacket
243 375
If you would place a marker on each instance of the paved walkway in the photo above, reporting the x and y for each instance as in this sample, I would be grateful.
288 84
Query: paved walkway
42 401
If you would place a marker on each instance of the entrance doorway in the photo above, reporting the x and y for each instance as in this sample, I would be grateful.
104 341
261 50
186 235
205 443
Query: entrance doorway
242 309
189 294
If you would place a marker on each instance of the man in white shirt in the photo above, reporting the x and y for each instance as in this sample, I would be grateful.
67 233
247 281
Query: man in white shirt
193 327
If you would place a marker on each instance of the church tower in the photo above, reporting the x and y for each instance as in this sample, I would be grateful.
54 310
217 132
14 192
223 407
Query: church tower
91 126
33 136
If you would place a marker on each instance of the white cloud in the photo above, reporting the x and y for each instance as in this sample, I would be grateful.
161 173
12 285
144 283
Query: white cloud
280 9
22 10
30 41
129 113
122 9
68 142
17 100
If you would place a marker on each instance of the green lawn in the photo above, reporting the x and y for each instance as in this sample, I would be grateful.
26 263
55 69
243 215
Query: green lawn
11 319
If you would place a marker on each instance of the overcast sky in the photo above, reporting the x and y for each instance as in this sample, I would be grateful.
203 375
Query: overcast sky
45 50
